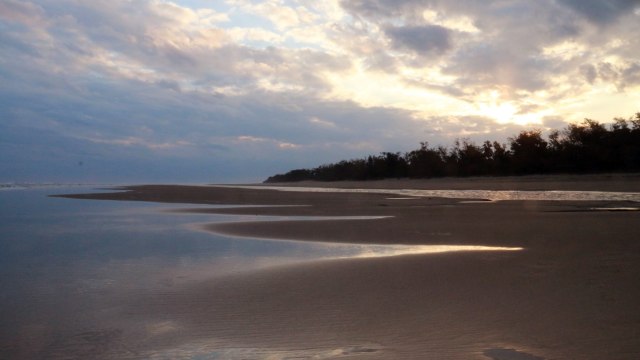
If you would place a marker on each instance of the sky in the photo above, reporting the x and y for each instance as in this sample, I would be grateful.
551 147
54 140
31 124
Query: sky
196 91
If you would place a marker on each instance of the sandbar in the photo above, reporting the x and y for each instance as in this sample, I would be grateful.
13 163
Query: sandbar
572 293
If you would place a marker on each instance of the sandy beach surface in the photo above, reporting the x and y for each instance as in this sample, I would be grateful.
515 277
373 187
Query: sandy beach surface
573 292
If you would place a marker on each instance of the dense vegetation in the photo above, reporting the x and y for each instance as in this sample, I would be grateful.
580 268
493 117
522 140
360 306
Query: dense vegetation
588 147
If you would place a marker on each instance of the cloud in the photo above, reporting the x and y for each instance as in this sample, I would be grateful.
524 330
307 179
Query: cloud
622 75
321 122
601 12
424 40
486 65
139 142
21 12
281 15
495 45
382 8
631 74
157 41
255 35
261 140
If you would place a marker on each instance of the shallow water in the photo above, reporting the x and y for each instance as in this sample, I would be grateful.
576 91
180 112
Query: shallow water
68 267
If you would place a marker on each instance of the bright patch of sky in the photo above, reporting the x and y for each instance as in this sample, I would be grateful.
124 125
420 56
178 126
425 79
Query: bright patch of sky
199 90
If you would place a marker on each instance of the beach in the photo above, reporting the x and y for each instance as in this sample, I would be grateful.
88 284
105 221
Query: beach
571 292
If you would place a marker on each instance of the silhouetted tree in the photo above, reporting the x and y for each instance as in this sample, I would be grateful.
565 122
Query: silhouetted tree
471 158
529 152
424 162
501 159
585 147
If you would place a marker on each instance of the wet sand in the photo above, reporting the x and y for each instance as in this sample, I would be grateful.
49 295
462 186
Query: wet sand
591 182
573 292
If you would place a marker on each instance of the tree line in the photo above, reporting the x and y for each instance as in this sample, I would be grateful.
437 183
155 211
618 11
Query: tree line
587 147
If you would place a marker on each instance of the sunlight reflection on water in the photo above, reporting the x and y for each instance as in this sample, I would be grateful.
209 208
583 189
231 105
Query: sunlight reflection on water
317 250
374 251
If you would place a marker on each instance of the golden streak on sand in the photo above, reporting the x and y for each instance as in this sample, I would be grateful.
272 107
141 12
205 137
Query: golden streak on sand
400 250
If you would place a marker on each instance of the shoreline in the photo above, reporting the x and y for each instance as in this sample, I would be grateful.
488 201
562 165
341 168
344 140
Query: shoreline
623 182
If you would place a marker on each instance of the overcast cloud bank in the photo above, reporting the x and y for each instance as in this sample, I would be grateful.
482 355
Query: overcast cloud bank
238 90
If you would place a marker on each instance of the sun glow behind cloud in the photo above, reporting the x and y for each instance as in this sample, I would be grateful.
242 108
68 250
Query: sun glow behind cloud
384 75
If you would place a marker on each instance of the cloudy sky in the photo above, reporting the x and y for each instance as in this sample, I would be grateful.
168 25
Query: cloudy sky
236 90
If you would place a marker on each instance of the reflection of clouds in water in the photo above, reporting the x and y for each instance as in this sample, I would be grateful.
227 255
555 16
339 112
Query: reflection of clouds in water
509 354
158 243
82 260
165 273
161 328
217 350
295 252
52 186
